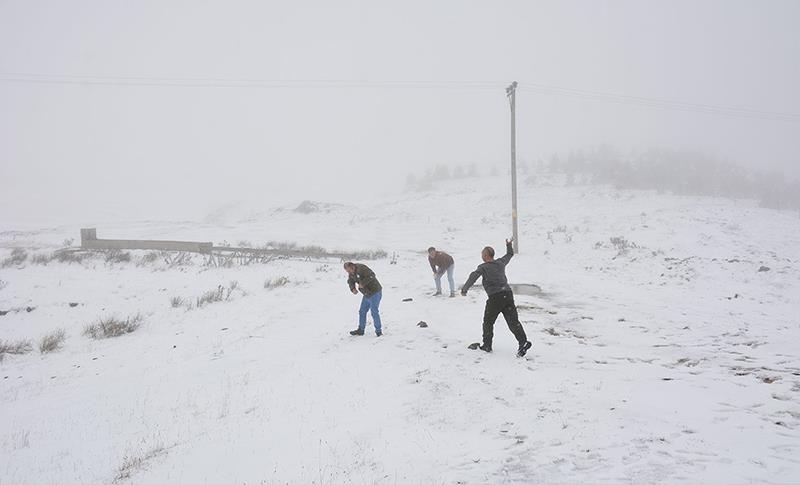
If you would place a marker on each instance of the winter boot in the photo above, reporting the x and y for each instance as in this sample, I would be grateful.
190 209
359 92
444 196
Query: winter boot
523 349
357 331
486 348
438 293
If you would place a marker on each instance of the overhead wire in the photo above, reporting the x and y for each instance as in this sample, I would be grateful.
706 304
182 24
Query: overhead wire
646 102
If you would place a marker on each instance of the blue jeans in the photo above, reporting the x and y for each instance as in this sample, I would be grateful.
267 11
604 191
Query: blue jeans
452 283
370 303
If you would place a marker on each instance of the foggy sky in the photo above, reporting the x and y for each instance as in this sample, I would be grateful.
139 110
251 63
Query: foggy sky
139 144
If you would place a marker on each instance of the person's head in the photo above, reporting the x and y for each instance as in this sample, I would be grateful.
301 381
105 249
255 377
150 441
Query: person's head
350 267
431 252
487 254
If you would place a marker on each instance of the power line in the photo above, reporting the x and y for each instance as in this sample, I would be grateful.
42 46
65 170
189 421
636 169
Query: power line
662 103
647 102
237 83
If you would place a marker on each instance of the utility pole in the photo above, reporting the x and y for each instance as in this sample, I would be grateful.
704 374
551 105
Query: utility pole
511 92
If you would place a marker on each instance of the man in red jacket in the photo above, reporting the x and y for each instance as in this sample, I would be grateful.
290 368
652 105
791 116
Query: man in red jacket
441 263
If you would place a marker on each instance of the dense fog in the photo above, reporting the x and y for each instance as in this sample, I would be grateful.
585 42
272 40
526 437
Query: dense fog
155 110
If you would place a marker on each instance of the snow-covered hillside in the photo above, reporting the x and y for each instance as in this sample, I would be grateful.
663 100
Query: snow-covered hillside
665 348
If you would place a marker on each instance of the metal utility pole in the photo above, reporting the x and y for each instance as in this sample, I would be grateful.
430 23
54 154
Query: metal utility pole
511 92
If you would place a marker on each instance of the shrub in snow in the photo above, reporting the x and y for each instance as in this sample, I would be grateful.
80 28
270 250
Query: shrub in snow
113 327
622 245
131 464
176 301
41 258
148 258
559 230
273 283
69 256
18 256
117 256
52 341
220 294
280 245
374 254
19 347
176 259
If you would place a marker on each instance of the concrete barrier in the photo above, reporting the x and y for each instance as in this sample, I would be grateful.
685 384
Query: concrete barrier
89 240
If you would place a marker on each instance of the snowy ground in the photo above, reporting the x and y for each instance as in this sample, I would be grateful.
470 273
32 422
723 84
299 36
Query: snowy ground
675 361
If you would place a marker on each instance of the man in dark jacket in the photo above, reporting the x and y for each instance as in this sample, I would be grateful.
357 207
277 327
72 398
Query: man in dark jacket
441 263
501 299
363 278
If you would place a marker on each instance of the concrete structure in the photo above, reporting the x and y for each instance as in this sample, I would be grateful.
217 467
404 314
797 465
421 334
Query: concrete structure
89 241
217 253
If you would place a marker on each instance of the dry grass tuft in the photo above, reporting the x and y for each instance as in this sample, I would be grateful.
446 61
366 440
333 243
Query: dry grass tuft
52 341
113 327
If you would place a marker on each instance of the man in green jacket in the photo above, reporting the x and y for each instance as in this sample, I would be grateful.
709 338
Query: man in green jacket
363 278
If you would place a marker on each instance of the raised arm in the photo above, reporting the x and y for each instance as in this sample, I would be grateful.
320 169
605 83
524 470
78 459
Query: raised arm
509 252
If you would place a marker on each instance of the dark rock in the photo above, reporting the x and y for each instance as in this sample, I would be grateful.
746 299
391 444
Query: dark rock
30 309
422 324
408 299
4 312
762 269
307 207
73 304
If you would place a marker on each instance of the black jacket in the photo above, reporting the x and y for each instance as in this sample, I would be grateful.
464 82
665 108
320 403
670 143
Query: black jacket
493 273
366 278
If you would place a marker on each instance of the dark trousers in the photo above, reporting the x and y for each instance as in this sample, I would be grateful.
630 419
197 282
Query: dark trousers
498 303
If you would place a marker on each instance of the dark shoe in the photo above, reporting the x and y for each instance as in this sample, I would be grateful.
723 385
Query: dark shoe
523 349
378 333
452 294
438 293
486 348
357 331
